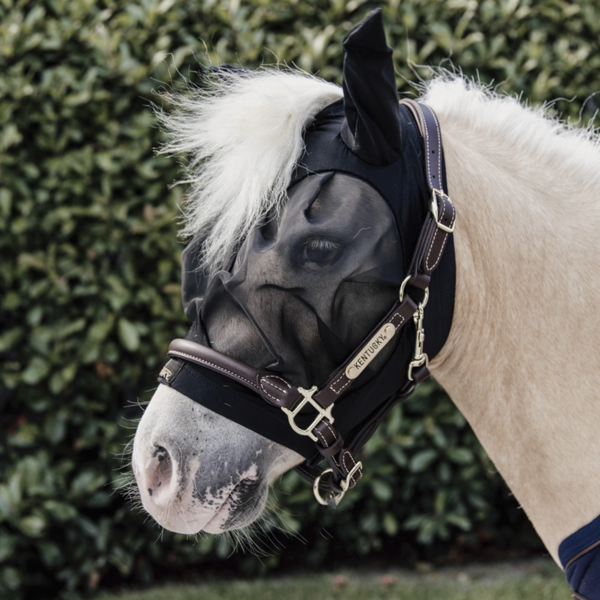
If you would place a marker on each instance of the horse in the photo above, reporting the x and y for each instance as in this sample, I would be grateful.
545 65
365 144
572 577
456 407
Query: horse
521 358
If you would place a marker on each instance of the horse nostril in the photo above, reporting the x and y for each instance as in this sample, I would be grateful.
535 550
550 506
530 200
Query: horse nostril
160 471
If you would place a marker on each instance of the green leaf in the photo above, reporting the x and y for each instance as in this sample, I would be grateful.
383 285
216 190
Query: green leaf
36 370
100 329
398 455
461 456
55 426
51 553
86 482
6 502
381 490
8 543
60 510
427 531
32 526
9 338
10 577
421 460
414 522
458 520
128 335
390 524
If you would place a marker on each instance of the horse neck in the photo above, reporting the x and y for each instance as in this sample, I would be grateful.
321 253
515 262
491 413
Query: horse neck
526 326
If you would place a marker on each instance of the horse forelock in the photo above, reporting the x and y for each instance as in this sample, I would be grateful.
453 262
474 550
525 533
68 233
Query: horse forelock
243 133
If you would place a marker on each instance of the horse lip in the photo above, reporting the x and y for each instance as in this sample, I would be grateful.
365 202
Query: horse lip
227 502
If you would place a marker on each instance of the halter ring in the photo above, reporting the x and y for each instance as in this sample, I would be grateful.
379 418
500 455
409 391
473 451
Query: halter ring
403 286
333 498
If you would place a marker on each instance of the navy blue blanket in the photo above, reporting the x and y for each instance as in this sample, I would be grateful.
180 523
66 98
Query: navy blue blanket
583 571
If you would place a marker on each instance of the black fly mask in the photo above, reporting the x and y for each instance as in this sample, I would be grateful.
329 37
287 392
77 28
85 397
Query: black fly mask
307 290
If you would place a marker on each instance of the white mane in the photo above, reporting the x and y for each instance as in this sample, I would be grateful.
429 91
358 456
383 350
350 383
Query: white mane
570 154
243 133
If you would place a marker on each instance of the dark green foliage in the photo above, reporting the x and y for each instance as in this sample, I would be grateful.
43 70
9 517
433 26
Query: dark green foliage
89 272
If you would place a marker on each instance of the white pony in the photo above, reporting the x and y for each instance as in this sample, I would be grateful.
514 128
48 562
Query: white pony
522 361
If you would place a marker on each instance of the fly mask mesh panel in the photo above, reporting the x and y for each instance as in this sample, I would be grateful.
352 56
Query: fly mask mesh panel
307 286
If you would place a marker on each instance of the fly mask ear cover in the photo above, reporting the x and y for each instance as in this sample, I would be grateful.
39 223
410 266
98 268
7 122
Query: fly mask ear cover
349 138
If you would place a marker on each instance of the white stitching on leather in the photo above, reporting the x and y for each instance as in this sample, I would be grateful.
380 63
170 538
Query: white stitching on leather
401 322
359 470
437 230
196 359
262 387
445 238
340 390
427 147
439 135
330 429
334 382
323 440
267 379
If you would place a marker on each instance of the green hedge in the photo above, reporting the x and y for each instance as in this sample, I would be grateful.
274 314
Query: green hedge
89 276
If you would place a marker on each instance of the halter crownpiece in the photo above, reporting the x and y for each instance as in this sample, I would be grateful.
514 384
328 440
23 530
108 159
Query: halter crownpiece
372 139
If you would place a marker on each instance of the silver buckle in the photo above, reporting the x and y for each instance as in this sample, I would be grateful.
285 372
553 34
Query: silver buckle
419 356
308 399
433 207
333 498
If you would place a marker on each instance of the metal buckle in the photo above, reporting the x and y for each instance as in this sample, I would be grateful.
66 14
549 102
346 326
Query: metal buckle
433 207
424 360
323 412
333 498
419 357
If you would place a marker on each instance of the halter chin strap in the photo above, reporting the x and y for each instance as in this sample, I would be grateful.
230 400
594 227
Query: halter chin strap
345 471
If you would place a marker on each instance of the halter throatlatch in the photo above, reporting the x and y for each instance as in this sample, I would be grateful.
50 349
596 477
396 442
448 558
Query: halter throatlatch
344 471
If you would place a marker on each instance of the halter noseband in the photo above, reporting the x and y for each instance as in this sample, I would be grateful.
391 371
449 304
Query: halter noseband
344 471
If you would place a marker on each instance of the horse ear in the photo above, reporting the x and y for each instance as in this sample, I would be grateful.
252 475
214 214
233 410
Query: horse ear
371 129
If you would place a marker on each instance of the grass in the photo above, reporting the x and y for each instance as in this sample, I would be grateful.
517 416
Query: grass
533 580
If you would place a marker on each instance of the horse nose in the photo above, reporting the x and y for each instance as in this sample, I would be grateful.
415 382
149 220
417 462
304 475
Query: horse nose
156 476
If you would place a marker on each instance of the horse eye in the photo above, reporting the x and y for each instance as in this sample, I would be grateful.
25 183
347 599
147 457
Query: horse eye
320 251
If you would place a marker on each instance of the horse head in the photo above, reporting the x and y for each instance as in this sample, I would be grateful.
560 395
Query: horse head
292 267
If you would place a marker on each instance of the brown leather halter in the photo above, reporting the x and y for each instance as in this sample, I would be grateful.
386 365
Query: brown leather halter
345 471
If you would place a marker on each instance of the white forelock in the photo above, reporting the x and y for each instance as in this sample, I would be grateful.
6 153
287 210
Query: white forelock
243 132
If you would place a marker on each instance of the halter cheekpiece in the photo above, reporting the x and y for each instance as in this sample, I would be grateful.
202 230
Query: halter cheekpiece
344 470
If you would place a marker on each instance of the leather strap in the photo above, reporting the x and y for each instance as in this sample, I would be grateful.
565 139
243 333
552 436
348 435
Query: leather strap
273 388
433 238
432 141
339 382
276 390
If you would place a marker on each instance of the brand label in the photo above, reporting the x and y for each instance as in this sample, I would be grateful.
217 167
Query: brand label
166 373
370 350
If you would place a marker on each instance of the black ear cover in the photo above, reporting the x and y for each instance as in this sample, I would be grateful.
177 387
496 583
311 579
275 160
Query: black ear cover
372 129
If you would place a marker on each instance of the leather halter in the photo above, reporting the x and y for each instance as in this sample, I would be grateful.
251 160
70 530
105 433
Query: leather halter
345 471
